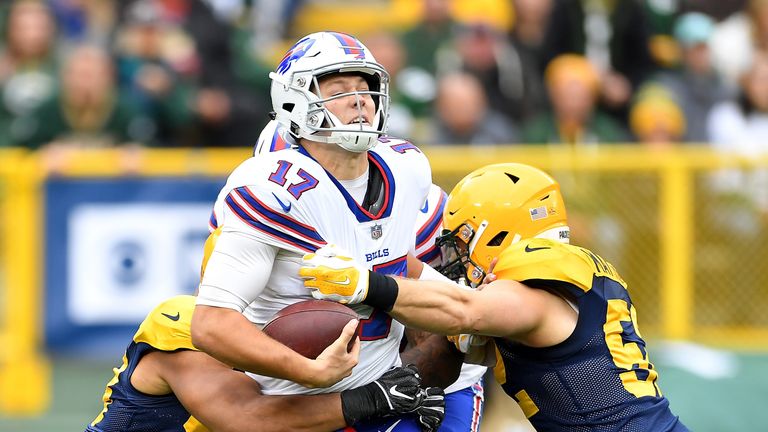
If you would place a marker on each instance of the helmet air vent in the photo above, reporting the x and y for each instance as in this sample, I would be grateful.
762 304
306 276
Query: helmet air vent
498 238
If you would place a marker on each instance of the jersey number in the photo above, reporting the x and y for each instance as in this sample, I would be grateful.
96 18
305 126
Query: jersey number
377 325
296 189
626 344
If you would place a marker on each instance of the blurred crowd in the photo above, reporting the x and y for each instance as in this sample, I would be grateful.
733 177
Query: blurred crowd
193 73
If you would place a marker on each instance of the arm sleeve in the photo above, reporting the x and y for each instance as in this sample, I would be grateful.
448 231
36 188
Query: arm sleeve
237 271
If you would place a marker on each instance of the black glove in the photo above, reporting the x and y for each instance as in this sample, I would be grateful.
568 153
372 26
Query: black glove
432 410
395 392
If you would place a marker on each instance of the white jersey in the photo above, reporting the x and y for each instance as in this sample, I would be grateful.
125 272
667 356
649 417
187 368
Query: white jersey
429 225
287 200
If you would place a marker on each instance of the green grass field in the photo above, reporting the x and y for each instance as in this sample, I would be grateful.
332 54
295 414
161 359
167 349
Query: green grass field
735 401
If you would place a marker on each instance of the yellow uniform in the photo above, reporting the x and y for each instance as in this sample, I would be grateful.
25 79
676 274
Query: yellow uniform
600 376
166 328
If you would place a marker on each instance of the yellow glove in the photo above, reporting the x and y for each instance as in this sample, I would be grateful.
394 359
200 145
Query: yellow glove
332 275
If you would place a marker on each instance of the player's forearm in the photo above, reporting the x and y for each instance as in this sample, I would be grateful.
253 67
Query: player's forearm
316 413
438 307
228 336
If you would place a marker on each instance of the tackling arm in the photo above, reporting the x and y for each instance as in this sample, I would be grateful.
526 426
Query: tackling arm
502 308
227 400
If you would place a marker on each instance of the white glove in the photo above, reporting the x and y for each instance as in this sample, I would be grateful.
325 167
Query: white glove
466 342
332 275
477 349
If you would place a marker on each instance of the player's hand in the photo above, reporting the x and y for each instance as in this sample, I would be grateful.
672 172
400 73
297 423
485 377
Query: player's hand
332 275
490 276
432 410
394 393
477 349
398 391
467 342
335 363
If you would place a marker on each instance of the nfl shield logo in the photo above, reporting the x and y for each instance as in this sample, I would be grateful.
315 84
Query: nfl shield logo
376 232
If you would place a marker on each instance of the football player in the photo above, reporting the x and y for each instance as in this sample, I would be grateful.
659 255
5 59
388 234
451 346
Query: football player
464 396
343 182
563 324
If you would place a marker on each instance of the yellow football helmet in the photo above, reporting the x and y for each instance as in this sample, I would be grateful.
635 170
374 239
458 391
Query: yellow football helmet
496 206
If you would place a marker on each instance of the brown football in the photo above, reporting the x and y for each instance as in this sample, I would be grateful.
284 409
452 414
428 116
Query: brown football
309 326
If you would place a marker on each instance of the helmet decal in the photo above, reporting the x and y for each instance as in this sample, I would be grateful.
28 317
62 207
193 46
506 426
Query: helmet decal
297 51
350 45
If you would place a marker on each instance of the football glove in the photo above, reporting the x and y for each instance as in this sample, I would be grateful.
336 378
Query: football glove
432 410
332 275
394 393
477 349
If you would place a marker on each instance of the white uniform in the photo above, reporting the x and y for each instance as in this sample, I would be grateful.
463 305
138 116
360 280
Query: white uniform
429 225
288 201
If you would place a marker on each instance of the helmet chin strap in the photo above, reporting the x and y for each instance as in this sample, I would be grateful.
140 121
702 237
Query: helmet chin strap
476 236
471 247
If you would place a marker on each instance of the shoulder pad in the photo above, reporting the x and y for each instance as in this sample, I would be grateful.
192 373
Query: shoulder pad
397 145
543 259
167 327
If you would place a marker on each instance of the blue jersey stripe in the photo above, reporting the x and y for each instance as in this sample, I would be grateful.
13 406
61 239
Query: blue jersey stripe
271 216
280 235
213 222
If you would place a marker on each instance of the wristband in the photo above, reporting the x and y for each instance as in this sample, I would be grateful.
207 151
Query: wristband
357 404
429 273
382 291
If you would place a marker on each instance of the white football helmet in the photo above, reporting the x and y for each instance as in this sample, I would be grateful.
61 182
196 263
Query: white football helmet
298 105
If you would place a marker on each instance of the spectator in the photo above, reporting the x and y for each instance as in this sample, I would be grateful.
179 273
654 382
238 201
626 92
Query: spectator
737 39
202 103
527 38
423 43
656 120
427 37
741 127
573 85
464 117
613 35
156 64
696 87
390 53
27 66
89 110
486 53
